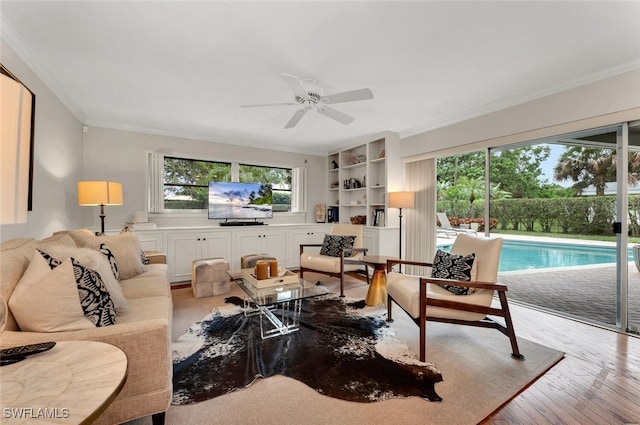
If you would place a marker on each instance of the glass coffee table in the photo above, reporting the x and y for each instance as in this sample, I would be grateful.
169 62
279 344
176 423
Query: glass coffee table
286 298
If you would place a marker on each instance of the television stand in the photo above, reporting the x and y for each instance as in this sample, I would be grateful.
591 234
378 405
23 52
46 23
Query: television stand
242 223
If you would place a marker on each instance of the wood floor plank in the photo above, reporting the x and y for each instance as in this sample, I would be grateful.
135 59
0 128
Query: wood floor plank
598 382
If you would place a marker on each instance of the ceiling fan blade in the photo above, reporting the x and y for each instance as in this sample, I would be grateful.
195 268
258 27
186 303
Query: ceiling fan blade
259 105
336 115
295 118
296 85
349 96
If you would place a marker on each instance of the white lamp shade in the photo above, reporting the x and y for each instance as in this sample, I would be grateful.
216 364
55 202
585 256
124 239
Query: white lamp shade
401 199
99 193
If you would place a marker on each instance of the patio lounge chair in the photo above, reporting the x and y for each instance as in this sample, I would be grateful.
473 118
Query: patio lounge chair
447 229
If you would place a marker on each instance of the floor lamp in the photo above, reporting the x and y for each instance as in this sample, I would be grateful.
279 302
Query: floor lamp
93 193
401 200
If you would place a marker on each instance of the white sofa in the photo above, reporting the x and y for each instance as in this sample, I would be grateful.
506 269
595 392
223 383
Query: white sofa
142 330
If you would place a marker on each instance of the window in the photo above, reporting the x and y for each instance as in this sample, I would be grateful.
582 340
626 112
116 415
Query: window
181 184
186 182
280 179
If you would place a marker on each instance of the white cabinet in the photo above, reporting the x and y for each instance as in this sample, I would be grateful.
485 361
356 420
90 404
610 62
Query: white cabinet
303 235
184 247
381 241
258 241
151 240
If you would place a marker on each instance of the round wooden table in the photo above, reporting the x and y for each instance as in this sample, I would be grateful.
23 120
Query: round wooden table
73 383
378 289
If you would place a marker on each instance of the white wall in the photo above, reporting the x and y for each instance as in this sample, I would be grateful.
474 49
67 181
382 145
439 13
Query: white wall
57 159
120 155
603 102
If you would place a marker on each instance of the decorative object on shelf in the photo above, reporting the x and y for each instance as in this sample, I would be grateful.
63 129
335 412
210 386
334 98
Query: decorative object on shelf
359 219
335 185
334 164
93 193
332 215
401 200
354 159
321 211
382 154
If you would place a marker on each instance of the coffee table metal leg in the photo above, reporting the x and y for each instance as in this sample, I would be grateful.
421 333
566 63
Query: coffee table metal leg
377 292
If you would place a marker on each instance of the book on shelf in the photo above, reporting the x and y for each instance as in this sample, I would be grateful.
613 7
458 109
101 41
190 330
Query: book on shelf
379 217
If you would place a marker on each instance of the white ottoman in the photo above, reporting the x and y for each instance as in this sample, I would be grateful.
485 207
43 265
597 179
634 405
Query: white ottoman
209 277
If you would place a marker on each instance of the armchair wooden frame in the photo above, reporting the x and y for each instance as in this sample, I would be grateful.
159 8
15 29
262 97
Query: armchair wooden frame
343 260
507 328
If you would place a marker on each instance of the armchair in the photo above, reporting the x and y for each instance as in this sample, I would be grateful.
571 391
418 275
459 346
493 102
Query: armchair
423 298
339 265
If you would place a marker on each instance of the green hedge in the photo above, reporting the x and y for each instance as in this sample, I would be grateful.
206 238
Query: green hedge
590 215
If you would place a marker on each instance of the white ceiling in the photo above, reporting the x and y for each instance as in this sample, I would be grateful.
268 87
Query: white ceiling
184 68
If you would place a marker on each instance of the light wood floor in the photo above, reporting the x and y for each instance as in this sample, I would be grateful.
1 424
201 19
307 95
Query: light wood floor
598 381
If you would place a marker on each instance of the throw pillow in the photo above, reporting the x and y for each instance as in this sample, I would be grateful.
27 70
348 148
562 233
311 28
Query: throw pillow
451 266
126 251
93 260
94 297
104 250
334 244
46 300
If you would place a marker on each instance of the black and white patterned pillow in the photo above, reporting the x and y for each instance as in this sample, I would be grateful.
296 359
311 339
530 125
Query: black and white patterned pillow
451 266
104 250
95 300
144 258
53 262
334 244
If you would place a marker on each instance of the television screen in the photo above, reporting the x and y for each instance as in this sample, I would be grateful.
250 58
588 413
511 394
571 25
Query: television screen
231 200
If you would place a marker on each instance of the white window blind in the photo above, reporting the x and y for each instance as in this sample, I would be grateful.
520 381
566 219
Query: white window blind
156 182
298 184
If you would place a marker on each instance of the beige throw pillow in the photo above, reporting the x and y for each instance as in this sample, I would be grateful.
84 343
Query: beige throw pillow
96 261
126 250
46 300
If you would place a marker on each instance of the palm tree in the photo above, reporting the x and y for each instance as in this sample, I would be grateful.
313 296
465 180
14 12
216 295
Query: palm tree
593 167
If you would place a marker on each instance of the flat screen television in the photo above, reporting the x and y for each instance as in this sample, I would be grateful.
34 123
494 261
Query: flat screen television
240 201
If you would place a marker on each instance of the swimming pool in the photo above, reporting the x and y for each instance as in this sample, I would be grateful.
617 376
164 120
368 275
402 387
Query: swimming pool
526 255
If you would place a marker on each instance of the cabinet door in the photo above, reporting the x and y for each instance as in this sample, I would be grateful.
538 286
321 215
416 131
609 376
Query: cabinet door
303 235
182 249
151 241
216 244
258 241
275 243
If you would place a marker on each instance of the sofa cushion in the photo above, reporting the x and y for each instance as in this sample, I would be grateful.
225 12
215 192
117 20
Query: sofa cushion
126 250
81 236
334 244
151 283
15 255
96 261
46 300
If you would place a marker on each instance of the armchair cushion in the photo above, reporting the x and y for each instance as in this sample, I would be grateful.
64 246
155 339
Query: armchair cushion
334 244
452 266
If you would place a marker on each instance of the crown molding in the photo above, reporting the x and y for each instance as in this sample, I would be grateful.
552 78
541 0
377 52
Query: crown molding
520 99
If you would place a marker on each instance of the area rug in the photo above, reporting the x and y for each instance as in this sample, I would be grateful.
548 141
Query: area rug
343 349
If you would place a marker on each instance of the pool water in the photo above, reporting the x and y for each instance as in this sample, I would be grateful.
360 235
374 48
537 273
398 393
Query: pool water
525 255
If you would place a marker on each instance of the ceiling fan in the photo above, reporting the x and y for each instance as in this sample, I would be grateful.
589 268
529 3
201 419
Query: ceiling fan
308 96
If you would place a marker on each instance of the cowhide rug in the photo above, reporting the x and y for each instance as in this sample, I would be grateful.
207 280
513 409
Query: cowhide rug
343 350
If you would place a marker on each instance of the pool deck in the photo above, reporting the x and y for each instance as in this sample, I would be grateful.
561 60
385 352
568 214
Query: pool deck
584 292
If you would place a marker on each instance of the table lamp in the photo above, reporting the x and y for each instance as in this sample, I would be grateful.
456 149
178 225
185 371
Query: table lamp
92 193
401 200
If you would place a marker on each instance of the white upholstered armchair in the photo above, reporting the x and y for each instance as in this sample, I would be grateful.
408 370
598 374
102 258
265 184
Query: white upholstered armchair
425 298
336 265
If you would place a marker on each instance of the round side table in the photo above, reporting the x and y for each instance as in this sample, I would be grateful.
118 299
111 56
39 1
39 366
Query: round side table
377 292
